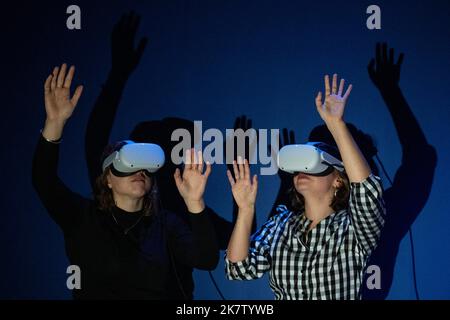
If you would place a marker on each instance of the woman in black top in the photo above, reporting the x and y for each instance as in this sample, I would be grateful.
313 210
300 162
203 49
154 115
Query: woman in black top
123 244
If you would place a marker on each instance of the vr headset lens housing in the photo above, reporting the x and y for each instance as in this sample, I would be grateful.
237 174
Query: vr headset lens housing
309 159
127 174
134 157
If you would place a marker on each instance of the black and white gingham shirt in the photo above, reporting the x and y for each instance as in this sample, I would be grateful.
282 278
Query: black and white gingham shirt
327 262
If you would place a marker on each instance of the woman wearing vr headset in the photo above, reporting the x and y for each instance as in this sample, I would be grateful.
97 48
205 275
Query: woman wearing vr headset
123 243
319 249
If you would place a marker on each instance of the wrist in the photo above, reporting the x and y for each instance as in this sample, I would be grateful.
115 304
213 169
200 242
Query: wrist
52 130
387 90
335 124
249 209
245 217
55 122
195 206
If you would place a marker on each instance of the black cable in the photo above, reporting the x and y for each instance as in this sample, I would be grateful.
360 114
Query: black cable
215 285
166 234
171 257
175 271
413 256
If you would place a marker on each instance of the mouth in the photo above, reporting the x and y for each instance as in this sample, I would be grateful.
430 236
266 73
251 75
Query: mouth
303 177
138 180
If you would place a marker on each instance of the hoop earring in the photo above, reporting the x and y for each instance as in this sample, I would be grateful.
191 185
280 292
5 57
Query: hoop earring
335 192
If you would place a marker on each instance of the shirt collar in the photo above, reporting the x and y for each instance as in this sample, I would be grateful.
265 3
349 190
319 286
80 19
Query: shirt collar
302 223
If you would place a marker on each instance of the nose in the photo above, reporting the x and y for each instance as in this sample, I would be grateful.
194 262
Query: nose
140 173
302 175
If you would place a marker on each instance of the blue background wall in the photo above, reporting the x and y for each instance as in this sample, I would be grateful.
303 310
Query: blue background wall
213 61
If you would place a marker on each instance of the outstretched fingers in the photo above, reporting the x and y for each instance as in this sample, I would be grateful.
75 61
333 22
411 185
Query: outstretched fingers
235 170
246 170
327 85
384 52
341 87
319 100
255 182
230 178
69 77
76 95
334 84
61 76
241 168
400 60
208 169
47 84
347 93
187 159
177 177
54 77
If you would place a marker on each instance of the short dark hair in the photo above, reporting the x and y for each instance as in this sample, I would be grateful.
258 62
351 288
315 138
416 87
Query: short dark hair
104 196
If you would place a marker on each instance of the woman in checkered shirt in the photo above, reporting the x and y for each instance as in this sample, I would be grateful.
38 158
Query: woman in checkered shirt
320 249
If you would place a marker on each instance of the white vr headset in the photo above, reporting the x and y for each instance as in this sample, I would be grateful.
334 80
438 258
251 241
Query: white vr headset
133 157
310 158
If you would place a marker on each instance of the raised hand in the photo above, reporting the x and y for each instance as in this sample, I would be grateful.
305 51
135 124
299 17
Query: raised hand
332 108
383 71
59 105
243 188
125 57
192 182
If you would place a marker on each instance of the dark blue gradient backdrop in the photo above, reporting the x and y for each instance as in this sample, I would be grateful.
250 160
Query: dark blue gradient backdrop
214 61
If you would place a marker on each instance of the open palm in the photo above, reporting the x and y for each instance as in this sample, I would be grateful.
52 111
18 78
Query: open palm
333 106
192 183
243 188
58 104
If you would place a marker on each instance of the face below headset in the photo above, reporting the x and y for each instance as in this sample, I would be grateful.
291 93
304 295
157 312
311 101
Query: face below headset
317 185
133 185
131 168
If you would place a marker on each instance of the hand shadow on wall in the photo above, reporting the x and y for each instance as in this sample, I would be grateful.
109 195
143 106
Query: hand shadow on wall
125 59
411 186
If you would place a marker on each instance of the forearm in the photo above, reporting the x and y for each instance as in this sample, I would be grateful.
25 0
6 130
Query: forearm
45 162
355 164
106 106
205 241
63 205
239 243
100 122
195 206
406 125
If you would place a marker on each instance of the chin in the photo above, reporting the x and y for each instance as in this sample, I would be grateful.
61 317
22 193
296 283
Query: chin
300 188
138 193
300 185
